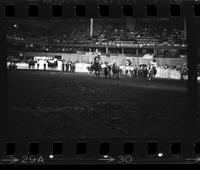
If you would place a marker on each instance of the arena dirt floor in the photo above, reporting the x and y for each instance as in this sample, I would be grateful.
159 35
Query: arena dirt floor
51 105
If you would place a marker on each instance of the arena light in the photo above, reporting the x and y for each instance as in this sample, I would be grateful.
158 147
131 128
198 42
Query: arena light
15 25
51 156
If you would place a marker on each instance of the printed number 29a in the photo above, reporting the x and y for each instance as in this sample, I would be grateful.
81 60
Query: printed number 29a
32 159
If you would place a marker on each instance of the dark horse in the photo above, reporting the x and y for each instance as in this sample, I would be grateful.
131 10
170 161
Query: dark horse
90 69
115 71
183 71
152 72
106 72
31 64
52 65
96 67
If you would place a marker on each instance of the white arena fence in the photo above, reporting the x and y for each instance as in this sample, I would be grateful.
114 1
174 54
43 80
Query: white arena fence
19 65
169 74
82 68
162 73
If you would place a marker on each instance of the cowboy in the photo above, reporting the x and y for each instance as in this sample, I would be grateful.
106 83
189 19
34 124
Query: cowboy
38 65
109 69
67 66
45 64
106 71
70 66
154 63
63 65
183 71
152 69
29 64
73 67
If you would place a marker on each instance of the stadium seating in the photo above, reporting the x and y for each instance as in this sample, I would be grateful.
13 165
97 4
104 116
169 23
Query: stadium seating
23 37
103 32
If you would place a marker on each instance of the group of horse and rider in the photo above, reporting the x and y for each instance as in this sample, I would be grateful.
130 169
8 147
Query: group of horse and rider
113 69
107 70
141 70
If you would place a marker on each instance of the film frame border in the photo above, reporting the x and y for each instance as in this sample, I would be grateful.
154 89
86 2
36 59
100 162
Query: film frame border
117 156
139 8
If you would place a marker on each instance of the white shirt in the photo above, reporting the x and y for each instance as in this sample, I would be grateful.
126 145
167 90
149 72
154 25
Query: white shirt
103 65
154 64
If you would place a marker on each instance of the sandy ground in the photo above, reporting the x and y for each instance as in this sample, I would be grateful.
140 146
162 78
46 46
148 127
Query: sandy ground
71 105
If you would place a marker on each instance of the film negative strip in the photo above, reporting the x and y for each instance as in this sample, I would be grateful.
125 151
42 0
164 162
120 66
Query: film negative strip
99 81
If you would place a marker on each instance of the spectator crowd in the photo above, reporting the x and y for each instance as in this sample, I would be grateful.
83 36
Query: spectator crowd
105 33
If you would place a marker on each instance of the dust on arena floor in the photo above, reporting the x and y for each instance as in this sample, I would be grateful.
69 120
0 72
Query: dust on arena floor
48 104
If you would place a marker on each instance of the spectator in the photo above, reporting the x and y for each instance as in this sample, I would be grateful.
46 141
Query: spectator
45 65
38 65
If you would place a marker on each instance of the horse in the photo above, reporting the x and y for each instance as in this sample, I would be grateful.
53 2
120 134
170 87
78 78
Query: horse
31 64
52 64
127 70
115 71
12 66
183 72
95 67
106 69
90 69
73 66
106 72
152 72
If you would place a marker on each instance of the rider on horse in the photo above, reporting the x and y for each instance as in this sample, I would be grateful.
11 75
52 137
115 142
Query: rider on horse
183 71
96 66
154 63
152 70
104 66
115 70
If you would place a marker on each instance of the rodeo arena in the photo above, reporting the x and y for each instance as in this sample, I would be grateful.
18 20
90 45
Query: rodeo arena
103 74
105 51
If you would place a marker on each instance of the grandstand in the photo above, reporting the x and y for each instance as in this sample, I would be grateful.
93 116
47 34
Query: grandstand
120 38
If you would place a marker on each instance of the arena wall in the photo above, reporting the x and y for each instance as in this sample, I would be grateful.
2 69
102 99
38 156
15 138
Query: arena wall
120 59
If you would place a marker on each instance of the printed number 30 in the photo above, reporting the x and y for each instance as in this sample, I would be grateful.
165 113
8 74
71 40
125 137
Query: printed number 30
125 159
